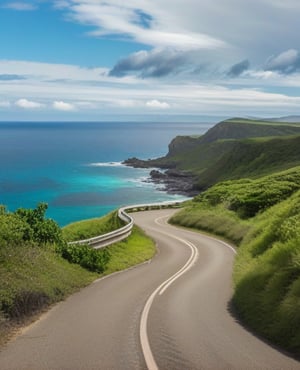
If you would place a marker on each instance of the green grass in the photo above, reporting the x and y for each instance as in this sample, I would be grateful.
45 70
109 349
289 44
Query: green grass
264 122
262 217
267 274
234 149
213 219
32 276
93 227
136 249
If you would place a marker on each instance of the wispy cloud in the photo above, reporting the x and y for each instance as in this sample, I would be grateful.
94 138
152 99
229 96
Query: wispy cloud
20 6
154 63
61 4
46 90
11 77
286 62
138 21
5 104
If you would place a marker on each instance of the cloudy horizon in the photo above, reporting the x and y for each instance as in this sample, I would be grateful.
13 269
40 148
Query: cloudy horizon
90 59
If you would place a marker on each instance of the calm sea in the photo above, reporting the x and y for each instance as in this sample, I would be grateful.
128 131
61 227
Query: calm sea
75 167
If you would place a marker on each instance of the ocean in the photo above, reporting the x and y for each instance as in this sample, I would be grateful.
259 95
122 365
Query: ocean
76 167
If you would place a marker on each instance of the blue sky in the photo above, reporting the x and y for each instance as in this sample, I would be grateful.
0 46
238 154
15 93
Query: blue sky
148 59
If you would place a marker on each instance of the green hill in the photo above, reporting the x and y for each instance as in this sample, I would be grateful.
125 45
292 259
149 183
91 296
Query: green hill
252 158
262 217
232 149
249 175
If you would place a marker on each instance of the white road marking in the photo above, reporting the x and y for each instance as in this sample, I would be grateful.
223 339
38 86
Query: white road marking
148 356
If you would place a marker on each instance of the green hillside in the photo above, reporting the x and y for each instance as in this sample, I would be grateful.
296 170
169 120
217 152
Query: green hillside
232 149
262 217
252 158
251 173
38 268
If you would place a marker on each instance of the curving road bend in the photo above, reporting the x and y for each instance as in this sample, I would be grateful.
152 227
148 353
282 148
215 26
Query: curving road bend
170 314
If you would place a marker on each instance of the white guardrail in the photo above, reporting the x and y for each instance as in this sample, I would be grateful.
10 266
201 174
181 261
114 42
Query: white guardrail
112 237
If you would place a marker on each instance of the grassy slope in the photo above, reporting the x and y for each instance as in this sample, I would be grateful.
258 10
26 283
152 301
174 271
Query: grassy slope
253 158
234 148
89 228
32 278
267 269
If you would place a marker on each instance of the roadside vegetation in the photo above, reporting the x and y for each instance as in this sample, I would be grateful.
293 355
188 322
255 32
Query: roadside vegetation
86 229
38 267
262 218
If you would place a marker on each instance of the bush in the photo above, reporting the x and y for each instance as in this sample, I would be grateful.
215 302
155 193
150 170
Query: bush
92 259
41 230
13 230
249 197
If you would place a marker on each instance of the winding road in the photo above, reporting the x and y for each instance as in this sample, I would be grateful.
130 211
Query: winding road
172 313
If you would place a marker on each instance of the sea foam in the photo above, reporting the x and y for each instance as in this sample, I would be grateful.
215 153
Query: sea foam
106 164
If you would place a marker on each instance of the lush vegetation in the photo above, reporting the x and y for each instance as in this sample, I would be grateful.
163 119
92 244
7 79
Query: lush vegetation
262 217
32 274
38 267
136 249
267 274
89 228
233 149
85 256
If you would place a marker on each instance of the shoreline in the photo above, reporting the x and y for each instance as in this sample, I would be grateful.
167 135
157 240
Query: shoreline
172 180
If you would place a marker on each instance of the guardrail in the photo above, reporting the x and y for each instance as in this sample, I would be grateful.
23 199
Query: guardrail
112 237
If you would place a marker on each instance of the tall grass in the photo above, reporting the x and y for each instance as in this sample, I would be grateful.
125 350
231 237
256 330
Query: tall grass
262 217
267 274
213 219
93 227
31 279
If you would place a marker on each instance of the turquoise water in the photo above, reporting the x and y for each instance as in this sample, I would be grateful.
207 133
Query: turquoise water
75 166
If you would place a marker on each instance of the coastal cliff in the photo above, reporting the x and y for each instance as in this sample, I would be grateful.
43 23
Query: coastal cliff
230 150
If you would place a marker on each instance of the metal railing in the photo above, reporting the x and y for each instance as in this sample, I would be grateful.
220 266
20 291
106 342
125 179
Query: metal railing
114 236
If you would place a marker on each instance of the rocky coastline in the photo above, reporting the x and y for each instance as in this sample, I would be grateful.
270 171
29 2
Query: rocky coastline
170 179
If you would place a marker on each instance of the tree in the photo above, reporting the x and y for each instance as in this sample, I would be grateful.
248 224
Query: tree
43 230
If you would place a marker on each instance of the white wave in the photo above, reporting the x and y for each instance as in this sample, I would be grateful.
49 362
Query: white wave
107 164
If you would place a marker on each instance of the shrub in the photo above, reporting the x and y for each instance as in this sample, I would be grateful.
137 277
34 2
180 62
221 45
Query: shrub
41 230
85 256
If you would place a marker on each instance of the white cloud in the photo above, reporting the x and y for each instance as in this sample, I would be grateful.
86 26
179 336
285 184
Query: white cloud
140 21
63 106
156 104
20 6
27 104
111 95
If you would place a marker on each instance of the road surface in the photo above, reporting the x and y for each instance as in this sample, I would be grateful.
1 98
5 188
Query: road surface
141 318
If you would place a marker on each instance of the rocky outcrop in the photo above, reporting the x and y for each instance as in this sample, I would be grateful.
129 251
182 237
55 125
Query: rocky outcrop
136 163
175 182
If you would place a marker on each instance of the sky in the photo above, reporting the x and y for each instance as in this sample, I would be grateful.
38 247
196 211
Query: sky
148 59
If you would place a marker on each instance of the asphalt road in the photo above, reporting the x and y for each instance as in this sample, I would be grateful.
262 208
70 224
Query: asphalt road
142 319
